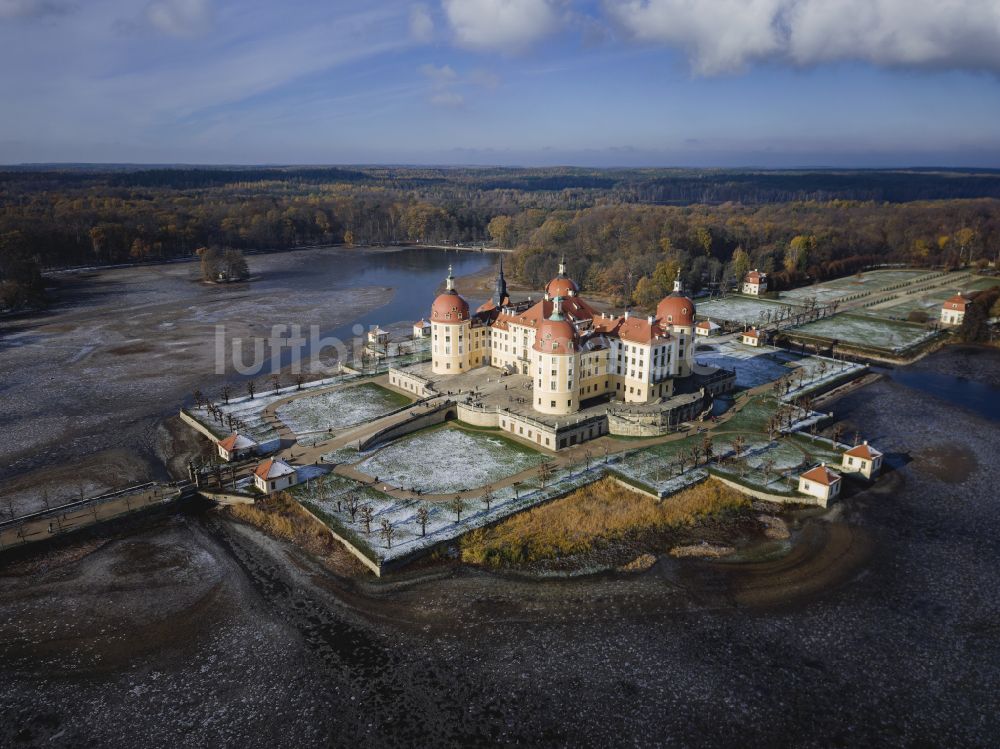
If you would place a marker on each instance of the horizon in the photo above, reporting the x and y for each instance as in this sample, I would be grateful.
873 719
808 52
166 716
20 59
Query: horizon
781 84
735 168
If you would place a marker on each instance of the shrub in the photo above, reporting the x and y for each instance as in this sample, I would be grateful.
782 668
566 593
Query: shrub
603 511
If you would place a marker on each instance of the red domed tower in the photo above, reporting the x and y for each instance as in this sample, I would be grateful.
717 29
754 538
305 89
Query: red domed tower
562 285
449 306
676 310
451 341
557 364
676 313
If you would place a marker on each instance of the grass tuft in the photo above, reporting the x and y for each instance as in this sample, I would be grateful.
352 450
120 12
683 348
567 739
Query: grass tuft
598 513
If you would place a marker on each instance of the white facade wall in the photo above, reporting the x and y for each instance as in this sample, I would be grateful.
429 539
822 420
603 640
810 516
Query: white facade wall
952 316
555 386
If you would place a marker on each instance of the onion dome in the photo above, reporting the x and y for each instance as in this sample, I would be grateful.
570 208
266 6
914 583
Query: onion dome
562 285
556 334
676 309
449 307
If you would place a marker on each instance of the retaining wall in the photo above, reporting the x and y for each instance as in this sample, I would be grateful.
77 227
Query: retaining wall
365 560
415 423
797 499
197 425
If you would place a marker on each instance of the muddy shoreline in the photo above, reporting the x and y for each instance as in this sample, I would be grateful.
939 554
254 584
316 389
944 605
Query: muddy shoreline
878 627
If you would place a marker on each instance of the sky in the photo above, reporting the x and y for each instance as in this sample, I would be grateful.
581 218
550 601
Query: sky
765 83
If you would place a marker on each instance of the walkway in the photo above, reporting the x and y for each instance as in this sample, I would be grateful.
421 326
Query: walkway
40 526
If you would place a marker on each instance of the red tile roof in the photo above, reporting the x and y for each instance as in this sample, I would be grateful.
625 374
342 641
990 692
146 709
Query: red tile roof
958 302
821 475
865 451
273 468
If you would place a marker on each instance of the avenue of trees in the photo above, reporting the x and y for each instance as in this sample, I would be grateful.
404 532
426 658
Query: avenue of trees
624 232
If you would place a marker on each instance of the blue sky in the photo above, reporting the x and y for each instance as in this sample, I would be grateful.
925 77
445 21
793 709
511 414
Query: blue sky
773 83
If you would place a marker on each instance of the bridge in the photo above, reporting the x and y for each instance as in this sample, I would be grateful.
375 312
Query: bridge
84 513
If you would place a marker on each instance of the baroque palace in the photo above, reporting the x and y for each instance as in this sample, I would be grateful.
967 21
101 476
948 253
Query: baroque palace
622 373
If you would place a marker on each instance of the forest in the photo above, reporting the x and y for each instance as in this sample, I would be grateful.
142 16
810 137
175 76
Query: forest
624 232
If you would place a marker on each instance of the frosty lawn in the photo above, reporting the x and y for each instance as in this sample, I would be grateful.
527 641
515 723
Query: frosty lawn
448 459
339 408
250 410
930 300
864 283
866 332
740 309
328 499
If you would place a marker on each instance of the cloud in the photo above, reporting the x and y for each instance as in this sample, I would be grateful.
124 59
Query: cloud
500 24
33 8
421 24
439 75
483 78
447 99
180 17
721 36
443 82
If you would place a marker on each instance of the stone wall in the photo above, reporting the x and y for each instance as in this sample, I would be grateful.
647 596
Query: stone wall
410 383
416 422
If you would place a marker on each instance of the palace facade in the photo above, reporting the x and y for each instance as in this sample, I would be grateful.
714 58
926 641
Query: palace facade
572 352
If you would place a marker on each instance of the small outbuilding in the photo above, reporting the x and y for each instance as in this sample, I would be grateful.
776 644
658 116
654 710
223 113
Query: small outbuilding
377 336
421 329
755 283
274 475
707 328
862 459
820 482
236 447
953 310
751 337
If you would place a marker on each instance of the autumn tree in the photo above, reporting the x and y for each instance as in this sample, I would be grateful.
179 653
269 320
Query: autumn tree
740 264
501 229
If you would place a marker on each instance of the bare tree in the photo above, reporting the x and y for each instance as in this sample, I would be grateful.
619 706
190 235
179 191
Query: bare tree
838 432
767 466
227 391
545 471
353 505
457 505
276 382
367 515
587 458
300 380
199 398
738 444
387 532
423 515
251 388
695 451
707 447
488 497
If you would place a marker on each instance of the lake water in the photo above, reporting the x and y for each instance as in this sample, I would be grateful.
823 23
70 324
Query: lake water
415 274
980 397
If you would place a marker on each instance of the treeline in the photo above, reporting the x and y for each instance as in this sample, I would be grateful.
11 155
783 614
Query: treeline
603 220
634 252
